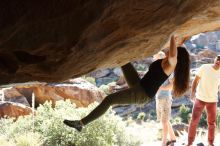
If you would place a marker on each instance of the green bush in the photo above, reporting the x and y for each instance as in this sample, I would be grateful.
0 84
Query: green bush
176 120
6 142
28 139
141 116
185 114
47 128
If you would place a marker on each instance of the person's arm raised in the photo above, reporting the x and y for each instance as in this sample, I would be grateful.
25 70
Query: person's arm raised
172 56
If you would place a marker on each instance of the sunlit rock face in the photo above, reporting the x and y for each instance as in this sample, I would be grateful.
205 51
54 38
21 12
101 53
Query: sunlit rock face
55 40
10 109
78 91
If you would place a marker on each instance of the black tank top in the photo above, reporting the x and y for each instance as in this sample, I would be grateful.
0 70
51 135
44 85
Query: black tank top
154 78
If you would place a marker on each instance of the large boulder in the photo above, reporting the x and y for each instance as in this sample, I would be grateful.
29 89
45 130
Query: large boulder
78 91
207 53
56 40
11 109
13 95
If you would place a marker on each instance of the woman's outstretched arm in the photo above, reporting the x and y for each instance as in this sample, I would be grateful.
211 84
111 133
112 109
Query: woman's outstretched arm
169 63
172 56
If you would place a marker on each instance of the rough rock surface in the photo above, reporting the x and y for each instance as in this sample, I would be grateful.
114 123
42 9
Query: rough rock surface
13 95
55 40
11 109
79 91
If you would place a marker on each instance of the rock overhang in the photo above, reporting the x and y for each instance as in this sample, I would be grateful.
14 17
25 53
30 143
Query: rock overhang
55 40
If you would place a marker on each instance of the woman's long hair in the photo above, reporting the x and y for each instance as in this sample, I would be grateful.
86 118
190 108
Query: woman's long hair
181 72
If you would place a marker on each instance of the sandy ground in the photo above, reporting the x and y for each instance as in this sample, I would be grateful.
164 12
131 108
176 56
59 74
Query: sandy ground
149 134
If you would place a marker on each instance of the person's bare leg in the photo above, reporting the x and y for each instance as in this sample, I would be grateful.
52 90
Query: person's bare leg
171 132
165 127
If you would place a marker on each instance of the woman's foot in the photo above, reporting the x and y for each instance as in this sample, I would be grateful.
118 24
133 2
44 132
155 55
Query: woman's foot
74 124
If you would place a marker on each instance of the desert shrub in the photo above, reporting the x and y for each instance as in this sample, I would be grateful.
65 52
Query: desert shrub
47 128
144 116
141 116
28 139
176 120
105 88
185 113
4 141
